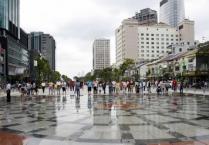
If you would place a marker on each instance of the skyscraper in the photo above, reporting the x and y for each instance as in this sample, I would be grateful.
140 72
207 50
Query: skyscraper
101 54
126 40
172 12
10 16
14 42
44 44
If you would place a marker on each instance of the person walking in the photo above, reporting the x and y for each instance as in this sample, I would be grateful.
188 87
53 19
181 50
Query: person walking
144 85
110 85
50 88
117 87
174 85
149 87
114 86
181 87
104 87
77 88
204 87
8 90
64 86
95 86
89 85
58 85
43 85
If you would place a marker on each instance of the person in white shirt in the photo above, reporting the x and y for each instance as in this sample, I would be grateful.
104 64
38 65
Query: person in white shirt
43 85
114 86
58 87
8 90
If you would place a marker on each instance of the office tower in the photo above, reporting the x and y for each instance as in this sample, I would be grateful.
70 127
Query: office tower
172 12
153 41
147 17
101 54
10 16
126 41
14 42
44 45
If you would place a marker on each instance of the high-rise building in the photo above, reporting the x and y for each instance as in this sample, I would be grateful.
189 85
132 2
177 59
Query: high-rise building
13 42
126 41
10 16
153 41
44 45
101 54
127 34
147 17
172 12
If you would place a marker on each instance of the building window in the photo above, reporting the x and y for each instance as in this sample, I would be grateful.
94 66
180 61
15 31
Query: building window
147 38
153 43
162 35
142 34
152 35
147 42
147 34
142 38
153 39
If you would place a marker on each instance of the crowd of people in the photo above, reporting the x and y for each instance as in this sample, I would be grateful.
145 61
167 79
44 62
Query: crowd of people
100 87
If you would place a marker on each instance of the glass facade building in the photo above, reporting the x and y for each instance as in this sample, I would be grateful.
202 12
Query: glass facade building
10 15
172 12
15 55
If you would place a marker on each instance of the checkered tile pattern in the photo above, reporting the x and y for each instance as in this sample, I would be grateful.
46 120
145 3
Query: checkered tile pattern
108 120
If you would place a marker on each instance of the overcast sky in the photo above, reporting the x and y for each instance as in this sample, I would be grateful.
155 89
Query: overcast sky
76 23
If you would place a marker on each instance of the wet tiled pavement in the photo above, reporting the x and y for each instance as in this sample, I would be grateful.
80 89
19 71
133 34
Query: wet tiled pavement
105 120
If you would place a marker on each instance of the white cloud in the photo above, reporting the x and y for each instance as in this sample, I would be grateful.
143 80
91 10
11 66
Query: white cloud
76 23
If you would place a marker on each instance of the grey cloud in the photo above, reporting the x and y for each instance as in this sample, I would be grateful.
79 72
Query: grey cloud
88 29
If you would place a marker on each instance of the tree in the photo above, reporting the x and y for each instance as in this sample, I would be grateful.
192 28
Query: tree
116 74
126 65
44 70
55 76
66 78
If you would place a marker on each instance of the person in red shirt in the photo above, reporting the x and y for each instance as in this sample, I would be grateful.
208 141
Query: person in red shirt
174 85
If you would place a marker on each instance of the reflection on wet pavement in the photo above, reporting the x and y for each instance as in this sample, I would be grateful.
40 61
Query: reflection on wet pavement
105 120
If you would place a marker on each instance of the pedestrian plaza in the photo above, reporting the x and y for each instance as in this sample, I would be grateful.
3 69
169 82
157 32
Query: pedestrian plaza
123 119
